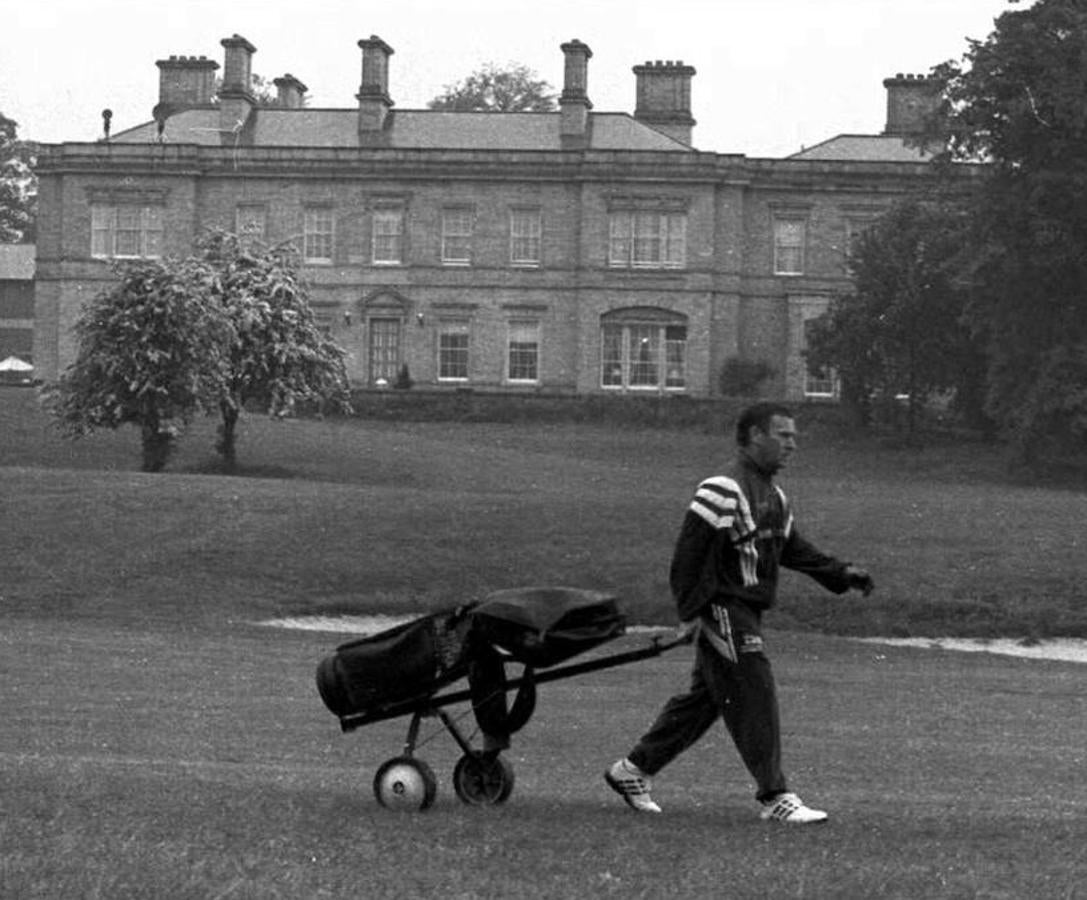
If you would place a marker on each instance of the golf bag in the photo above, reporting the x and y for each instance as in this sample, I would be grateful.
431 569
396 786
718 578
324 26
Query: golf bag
408 664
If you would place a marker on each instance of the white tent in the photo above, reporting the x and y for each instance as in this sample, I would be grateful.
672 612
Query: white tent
14 364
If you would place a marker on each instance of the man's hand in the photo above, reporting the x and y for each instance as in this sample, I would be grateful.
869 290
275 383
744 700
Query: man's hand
687 631
859 580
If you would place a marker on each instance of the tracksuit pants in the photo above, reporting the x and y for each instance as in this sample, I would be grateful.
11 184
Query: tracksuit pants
731 679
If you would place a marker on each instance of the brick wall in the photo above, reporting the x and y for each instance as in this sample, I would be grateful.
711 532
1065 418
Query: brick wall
733 303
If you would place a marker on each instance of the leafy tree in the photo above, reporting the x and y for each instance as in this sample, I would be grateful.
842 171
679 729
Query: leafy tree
278 355
18 186
152 353
263 89
226 327
744 377
1016 102
900 332
515 88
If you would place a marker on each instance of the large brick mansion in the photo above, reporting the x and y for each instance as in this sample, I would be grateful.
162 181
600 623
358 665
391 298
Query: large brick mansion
575 251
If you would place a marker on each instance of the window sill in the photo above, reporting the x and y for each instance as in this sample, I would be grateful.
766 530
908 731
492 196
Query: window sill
646 272
643 389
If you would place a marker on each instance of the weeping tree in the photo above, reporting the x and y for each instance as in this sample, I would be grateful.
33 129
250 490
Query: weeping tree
152 352
278 355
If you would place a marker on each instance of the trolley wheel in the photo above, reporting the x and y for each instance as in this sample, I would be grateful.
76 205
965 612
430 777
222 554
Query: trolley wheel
481 780
405 783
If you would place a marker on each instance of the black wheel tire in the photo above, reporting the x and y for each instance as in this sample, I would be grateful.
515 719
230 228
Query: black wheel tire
483 780
405 783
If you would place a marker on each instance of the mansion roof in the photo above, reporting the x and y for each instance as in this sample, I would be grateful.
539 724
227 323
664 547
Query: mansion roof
198 109
404 129
865 148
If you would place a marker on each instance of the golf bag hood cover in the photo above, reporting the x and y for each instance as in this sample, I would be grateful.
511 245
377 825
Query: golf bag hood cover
543 626
537 627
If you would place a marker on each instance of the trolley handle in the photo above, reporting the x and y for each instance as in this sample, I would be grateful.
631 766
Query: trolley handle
428 705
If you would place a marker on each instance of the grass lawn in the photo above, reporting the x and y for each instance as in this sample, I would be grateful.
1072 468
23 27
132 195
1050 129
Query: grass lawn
160 744
384 516
159 762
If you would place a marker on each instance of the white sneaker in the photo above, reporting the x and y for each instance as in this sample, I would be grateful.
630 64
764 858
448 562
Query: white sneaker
632 784
789 808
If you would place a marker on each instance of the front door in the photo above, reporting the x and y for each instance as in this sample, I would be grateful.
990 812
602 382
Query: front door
384 350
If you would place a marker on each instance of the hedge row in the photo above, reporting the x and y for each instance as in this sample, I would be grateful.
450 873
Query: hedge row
656 410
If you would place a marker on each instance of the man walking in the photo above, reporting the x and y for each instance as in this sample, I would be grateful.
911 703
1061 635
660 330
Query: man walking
737 533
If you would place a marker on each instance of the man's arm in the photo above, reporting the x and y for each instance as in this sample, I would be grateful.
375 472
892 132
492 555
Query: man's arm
837 576
688 559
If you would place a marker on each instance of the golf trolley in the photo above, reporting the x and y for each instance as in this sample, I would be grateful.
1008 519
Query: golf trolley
400 672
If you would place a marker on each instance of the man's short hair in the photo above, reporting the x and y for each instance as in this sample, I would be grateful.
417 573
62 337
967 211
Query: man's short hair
759 416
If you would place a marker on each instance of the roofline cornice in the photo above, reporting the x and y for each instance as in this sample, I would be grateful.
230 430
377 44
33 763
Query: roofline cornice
671 167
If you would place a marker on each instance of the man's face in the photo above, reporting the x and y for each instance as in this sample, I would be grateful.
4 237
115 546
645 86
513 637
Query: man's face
771 449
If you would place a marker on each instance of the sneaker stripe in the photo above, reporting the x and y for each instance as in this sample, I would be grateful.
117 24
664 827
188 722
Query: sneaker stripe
633 788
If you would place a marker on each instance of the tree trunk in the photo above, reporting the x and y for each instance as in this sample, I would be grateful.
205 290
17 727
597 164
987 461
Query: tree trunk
857 402
157 446
227 443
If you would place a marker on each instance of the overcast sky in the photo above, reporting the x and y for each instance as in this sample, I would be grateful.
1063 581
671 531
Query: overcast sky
772 75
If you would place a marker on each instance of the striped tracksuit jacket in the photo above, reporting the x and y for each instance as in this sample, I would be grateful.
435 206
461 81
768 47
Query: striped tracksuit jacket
736 535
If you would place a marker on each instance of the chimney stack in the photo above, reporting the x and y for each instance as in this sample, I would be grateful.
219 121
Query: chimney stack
373 95
574 104
290 92
911 99
186 81
664 98
236 98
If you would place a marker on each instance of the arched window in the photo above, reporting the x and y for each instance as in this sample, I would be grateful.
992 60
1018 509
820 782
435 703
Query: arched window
643 348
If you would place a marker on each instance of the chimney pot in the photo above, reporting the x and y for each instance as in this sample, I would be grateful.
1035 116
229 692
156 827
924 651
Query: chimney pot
664 98
237 65
574 103
911 99
290 92
186 81
373 95
236 100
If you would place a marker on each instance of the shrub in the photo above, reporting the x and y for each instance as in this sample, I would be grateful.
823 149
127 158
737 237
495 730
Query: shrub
744 377
403 379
